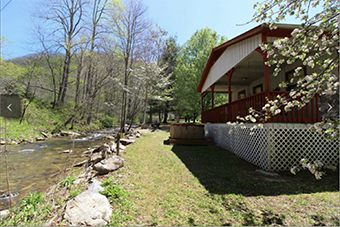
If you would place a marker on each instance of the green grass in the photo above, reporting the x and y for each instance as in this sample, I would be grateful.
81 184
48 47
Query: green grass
162 185
192 185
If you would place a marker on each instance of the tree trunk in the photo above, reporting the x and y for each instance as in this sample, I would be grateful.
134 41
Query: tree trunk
165 120
145 104
79 71
124 98
64 82
150 121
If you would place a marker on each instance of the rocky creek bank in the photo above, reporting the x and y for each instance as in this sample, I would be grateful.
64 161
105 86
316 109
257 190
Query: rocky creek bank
89 207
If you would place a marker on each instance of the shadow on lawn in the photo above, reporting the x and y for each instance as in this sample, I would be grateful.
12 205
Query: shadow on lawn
222 172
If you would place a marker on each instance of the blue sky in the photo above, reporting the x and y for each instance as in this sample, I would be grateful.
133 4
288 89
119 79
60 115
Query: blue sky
180 18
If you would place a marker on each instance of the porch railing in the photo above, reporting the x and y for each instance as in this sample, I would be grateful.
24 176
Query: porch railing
229 112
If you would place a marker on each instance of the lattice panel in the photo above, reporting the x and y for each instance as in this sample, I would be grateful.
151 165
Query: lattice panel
276 147
287 146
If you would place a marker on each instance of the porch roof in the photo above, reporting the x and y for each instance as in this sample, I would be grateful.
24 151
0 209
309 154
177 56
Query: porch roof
237 51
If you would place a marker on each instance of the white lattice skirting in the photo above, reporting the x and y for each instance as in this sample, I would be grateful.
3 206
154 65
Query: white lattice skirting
276 147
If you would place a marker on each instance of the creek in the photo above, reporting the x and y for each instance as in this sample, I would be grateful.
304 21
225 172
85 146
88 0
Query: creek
39 165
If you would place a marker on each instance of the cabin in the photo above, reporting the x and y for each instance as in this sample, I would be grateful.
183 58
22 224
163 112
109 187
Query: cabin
237 68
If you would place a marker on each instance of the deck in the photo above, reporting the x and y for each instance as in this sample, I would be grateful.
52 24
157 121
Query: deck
229 112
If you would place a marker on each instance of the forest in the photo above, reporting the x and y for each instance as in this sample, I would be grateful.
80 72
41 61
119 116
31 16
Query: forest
102 63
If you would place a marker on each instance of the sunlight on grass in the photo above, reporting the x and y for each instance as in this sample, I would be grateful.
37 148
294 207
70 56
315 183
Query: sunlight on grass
191 185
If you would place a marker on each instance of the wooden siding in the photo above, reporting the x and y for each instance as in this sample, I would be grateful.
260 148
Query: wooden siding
230 58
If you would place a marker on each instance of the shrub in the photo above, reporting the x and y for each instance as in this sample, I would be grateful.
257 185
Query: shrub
107 121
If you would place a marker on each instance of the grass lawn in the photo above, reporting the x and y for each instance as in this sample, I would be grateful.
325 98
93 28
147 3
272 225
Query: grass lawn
205 185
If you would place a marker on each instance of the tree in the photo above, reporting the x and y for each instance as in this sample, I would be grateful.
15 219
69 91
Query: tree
190 65
127 28
154 82
92 77
168 61
64 20
316 45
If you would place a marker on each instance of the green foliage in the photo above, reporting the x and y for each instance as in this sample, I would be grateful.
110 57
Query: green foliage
31 211
75 192
125 211
107 121
190 64
107 182
67 182
114 193
32 200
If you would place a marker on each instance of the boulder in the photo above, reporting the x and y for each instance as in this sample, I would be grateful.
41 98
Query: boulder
39 138
96 157
105 149
95 187
112 145
110 137
108 165
45 134
89 208
80 163
4 213
126 142
90 150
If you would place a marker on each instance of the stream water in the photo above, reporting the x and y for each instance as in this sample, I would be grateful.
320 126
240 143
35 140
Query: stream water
37 166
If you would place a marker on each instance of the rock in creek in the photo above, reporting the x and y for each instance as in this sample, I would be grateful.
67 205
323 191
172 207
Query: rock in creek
66 151
64 133
108 165
40 138
45 134
89 208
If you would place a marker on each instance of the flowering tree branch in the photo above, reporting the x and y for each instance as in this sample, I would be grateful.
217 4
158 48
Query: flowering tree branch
313 45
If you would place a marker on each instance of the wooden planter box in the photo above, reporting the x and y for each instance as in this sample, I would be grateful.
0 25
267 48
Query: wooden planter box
187 131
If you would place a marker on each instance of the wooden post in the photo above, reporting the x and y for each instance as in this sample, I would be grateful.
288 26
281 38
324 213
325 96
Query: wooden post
229 75
265 66
212 87
202 96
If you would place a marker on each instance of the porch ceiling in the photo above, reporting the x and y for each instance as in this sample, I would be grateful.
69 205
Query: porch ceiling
246 71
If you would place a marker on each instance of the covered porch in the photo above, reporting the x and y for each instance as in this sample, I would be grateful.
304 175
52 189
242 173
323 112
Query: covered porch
237 68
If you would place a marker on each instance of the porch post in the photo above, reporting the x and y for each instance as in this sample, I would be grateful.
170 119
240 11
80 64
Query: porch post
212 87
229 75
265 66
202 96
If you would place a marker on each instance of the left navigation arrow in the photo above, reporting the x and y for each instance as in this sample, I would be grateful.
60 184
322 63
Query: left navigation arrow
9 107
